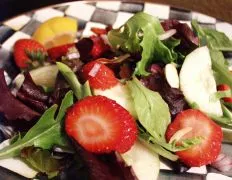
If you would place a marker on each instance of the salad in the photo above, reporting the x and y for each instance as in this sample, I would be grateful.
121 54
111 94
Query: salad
112 105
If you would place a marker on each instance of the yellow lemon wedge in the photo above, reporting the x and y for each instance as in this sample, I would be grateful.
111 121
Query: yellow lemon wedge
56 31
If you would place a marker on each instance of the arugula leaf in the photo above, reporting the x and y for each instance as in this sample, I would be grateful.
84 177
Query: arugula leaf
141 34
45 133
41 160
79 90
213 39
220 67
153 112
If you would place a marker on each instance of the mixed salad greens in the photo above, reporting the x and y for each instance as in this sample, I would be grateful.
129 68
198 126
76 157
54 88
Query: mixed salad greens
107 106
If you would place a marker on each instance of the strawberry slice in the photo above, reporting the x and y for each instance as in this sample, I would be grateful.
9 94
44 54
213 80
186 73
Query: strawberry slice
202 126
99 75
29 52
59 51
101 125
225 87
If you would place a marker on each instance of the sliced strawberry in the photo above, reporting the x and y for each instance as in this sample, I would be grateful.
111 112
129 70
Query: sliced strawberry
101 125
99 75
59 51
202 126
99 47
225 87
28 50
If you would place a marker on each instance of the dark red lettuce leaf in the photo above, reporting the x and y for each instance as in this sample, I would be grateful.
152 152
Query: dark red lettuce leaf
61 88
172 96
37 105
102 167
32 95
188 40
31 90
12 108
84 47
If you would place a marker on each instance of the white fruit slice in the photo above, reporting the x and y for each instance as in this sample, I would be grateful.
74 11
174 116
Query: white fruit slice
145 163
198 83
171 75
43 76
121 94
16 164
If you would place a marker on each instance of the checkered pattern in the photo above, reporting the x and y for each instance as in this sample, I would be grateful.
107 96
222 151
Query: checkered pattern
101 14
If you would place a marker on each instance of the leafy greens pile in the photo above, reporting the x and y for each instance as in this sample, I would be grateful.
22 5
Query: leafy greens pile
140 34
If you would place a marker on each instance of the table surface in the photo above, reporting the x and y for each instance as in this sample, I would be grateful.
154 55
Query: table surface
221 9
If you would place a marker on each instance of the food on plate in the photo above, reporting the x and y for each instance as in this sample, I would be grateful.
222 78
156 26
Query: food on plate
210 136
119 103
56 31
28 52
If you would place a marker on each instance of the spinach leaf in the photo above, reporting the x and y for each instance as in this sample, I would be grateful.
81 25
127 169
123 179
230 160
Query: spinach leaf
213 39
79 90
220 67
41 160
45 133
140 34
153 112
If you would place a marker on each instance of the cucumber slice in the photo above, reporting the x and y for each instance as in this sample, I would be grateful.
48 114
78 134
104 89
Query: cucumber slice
121 94
145 163
198 83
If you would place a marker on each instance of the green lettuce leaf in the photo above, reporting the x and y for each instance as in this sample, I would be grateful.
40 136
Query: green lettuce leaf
140 34
220 68
213 39
41 160
153 112
45 133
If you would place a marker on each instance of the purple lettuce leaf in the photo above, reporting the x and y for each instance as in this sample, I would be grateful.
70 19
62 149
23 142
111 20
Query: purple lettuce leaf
32 95
12 108
103 167
172 96
188 40
31 90
61 88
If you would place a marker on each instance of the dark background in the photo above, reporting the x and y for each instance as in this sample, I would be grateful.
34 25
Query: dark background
11 8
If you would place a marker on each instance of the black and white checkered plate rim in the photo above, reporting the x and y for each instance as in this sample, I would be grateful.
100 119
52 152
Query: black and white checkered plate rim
101 14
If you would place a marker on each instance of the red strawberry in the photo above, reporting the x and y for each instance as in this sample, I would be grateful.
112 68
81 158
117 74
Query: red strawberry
99 75
207 151
99 47
225 87
101 125
59 51
28 50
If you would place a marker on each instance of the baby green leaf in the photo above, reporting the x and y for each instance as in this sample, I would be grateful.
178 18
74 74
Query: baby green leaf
153 112
45 133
